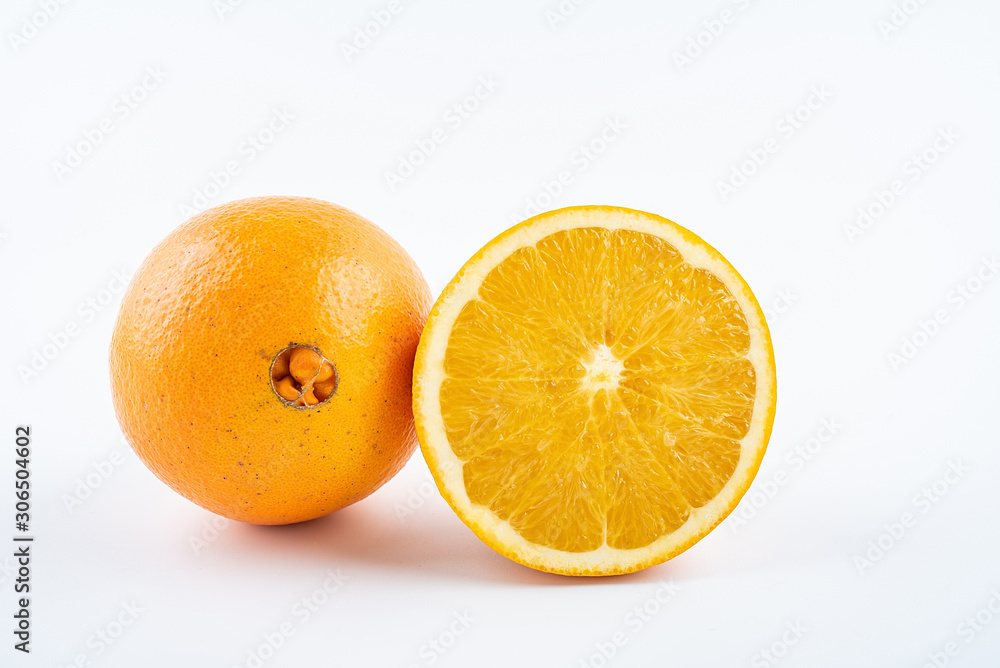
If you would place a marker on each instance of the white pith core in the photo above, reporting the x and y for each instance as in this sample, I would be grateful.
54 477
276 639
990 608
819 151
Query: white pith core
604 370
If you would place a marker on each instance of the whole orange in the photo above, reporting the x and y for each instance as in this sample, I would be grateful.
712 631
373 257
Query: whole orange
261 363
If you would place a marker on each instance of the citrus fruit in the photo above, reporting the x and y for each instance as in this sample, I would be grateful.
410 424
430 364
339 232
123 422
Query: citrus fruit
594 390
261 363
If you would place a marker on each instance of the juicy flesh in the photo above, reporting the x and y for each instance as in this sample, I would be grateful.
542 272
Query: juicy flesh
597 389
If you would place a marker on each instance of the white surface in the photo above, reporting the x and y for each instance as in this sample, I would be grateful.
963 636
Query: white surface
674 134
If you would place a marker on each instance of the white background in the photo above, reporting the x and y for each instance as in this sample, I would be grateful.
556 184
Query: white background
841 301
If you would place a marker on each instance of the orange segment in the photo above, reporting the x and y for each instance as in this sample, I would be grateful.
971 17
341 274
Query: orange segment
594 391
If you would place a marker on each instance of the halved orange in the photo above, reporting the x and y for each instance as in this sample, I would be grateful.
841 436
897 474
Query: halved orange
594 391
